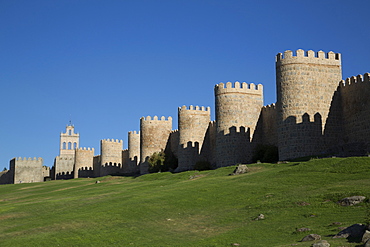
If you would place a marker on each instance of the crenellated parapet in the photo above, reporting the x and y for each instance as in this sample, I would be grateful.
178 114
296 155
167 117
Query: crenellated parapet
320 57
196 108
28 159
134 132
112 140
155 118
355 80
229 87
85 149
269 108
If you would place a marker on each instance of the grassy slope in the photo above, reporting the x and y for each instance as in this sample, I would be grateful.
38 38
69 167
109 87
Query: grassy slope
188 209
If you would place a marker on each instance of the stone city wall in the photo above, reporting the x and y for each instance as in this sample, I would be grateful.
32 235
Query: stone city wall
27 170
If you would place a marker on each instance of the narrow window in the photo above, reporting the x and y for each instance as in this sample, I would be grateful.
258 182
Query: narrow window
69 145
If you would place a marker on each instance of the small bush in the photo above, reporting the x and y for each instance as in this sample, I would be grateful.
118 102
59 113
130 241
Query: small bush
162 162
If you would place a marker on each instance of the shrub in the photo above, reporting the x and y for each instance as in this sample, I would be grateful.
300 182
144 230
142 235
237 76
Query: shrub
162 162
156 162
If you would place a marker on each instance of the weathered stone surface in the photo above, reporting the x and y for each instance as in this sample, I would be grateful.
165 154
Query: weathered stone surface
240 169
260 217
311 237
303 229
366 236
354 231
367 244
350 201
321 243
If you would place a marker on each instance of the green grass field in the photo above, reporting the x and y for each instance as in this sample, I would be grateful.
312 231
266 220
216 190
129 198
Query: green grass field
192 208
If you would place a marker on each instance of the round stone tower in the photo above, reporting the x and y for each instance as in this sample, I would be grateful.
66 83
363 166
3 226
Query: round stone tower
193 125
305 84
111 156
238 107
83 160
154 134
134 145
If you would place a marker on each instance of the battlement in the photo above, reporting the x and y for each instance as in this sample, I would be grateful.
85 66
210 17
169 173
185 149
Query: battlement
269 108
235 130
196 108
355 80
301 56
308 54
134 132
28 159
111 140
238 87
155 118
190 144
85 149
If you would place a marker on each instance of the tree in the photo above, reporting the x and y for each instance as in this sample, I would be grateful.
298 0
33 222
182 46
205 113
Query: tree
156 162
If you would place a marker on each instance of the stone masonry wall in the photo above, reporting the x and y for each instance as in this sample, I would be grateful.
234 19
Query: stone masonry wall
266 129
63 166
27 170
355 93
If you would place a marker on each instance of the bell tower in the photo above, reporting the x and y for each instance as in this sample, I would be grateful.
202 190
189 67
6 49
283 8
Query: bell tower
64 163
69 141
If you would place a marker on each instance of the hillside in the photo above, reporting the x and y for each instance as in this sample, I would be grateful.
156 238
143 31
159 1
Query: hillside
192 208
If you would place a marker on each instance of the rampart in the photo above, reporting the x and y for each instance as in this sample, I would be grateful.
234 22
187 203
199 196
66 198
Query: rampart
316 113
233 147
26 170
173 143
354 104
63 167
208 150
266 128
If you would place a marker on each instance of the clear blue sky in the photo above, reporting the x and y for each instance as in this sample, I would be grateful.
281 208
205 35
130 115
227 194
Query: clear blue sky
105 64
